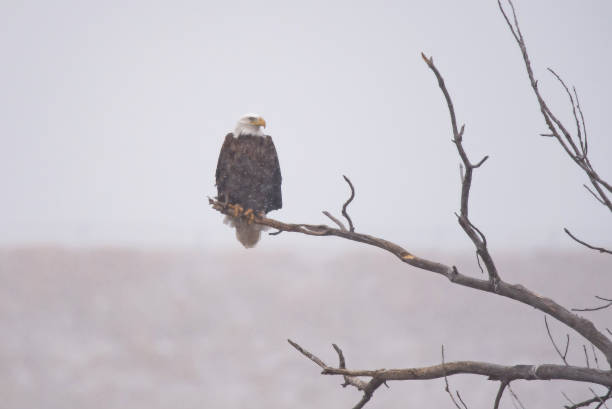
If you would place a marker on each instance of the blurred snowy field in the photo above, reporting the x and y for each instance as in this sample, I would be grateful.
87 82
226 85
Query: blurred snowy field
125 328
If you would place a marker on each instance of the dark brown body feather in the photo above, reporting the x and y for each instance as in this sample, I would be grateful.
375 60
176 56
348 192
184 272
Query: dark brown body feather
248 173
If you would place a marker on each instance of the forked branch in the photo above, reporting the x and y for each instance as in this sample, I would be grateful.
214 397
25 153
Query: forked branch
477 237
576 146
600 249
492 371
514 291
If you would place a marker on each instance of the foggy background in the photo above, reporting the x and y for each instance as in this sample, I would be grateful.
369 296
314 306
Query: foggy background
120 287
113 115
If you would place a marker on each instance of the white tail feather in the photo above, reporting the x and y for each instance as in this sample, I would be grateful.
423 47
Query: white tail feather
247 234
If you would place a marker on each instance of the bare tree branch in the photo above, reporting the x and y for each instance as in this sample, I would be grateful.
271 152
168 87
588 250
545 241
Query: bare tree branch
492 371
505 374
468 227
568 399
585 147
333 219
600 249
350 199
588 402
461 400
368 388
494 284
577 148
500 392
595 356
446 388
307 354
478 262
515 397
601 401
514 291
562 355
608 304
356 382
594 195
556 127
578 153
586 356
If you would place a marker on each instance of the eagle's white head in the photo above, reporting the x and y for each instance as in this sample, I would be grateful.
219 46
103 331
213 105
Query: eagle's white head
250 124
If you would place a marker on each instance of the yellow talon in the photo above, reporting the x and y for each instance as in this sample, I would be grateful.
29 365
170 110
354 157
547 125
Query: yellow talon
249 215
237 210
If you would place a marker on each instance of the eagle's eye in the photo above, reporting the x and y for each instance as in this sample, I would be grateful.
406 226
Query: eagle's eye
251 118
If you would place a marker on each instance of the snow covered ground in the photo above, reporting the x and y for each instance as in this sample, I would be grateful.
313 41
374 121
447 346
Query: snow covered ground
125 328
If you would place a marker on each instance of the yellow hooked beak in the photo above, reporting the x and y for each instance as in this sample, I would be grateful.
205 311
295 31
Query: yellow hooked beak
259 121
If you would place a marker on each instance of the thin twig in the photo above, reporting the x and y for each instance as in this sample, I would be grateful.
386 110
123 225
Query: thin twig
515 396
586 356
564 355
595 356
500 392
577 153
586 139
350 199
603 298
348 380
601 307
446 388
369 391
594 195
477 237
461 400
569 400
308 355
333 219
603 400
478 261
479 164
588 402
599 399
600 249
556 127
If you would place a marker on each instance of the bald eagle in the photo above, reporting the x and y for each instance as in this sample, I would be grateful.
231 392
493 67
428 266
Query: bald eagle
248 177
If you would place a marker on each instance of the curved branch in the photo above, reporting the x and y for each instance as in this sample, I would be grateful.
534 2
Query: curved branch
515 397
350 199
563 356
600 249
494 372
588 402
556 127
514 291
446 386
368 388
468 227
335 220
601 307
500 392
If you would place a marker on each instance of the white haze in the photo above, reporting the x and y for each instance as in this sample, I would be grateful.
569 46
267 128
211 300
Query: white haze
112 115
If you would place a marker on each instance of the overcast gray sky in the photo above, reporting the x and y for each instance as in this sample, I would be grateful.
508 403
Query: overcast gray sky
112 115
